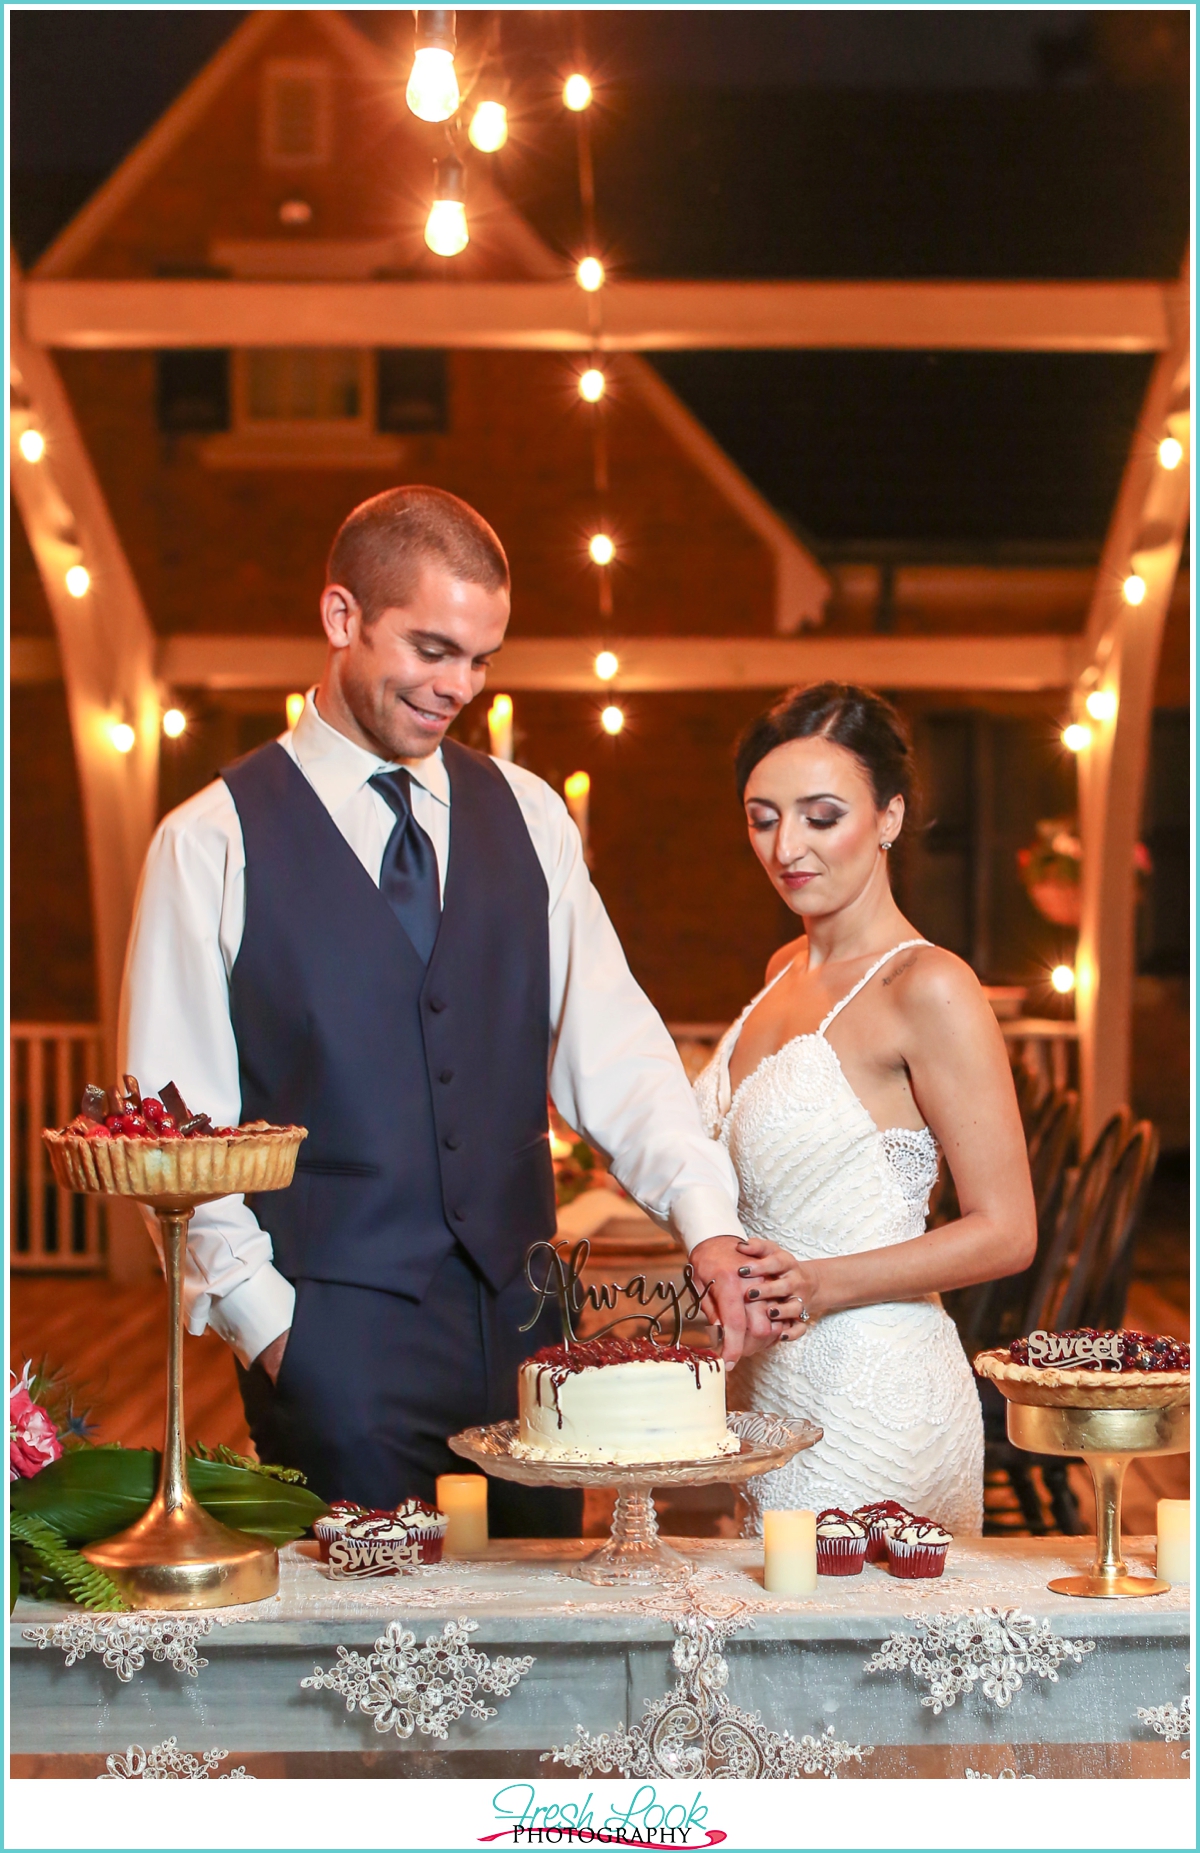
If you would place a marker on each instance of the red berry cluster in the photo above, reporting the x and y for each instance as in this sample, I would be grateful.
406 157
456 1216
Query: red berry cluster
106 1113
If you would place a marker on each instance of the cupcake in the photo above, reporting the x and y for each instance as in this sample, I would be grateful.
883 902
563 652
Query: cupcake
388 1543
882 1520
918 1549
841 1543
334 1522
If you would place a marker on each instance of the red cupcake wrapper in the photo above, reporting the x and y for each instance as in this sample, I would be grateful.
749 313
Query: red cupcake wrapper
916 1560
841 1556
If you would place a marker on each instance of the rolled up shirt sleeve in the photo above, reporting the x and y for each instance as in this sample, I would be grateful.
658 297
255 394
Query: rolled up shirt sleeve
175 1026
615 1074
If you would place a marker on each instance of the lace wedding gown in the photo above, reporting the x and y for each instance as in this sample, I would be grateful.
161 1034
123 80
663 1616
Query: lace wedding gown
889 1384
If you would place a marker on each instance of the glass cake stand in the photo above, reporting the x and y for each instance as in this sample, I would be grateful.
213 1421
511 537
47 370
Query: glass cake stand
633 1551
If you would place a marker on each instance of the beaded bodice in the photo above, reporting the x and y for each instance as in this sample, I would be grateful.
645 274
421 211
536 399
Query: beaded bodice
816 1174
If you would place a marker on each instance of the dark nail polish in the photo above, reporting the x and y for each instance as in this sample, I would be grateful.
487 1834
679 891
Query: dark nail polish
753 1294
743 1272
773 1312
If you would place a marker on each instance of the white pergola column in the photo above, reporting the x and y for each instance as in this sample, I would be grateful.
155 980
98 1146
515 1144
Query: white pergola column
1123 643
107 650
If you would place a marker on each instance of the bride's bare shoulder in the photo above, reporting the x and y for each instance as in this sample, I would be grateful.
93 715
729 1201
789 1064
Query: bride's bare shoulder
784 957
928 981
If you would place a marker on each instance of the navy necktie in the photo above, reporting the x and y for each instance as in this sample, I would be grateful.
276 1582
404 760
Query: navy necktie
408 876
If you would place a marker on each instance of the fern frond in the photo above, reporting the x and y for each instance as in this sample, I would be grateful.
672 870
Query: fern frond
90 1587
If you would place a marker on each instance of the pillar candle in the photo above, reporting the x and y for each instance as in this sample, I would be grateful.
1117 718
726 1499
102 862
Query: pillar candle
1175 1540
790 1553
500 727
463 1498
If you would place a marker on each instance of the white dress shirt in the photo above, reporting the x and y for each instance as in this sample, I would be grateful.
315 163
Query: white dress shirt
614 1072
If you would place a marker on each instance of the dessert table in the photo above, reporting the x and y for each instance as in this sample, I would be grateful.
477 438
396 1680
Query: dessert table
983 1670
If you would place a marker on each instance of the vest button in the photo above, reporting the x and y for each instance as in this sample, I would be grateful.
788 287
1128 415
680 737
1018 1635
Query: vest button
437 1003
446 1075
452 1142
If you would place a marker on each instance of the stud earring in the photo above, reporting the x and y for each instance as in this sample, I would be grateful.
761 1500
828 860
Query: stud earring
885 846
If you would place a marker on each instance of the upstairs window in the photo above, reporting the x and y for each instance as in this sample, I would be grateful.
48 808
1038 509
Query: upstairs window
305 385
297 113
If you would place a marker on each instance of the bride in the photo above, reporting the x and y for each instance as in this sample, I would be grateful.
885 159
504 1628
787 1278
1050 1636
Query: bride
868 1051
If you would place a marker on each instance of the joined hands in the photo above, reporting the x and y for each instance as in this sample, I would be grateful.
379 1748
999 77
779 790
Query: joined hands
759 1293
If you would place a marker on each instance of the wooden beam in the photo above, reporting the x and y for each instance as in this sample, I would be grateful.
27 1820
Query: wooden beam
649 317
106 648
660 664
1122 643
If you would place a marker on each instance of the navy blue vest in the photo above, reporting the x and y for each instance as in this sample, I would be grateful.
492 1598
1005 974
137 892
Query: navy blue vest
423 1090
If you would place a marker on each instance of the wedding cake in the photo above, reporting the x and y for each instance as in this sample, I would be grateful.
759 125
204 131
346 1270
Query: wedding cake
619 1401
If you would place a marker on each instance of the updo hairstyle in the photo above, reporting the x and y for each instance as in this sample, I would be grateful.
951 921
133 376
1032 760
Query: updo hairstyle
856 718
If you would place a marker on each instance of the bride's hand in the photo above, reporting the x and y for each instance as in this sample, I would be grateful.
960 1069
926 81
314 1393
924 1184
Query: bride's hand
788 1290
744 1327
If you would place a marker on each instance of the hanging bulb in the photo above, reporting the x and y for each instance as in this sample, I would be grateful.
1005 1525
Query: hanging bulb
446 227
432 92
1076 737
294 708
489 127
589 274
1170 453
174 723
122 736
78 581
577 92
592 385
32 445
1063 980
612 719
1134 589
601 549
606 665
1101 704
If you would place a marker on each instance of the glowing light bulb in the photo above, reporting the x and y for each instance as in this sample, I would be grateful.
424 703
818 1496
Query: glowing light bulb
602 550
606 665
577 92
1134 589
612 719
432 92
1063 979
174 722
1170 453
78 581
1101 704
32 445
122 736
1076 737
592 385
489 127
576 787
294 706
589 274
446 227
500 727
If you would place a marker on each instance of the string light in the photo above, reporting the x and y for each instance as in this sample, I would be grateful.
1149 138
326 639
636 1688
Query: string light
577 787
32 445
1063 980
577 92
446 227
1076 737
612 719
1101 704
500 727
295 708
1170 453
592 385
78 581
122 736
601 549
606 665
489 127
432 92
1134 589
174 723
589 274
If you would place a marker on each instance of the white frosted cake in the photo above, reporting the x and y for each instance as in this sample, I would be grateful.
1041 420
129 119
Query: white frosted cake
623 1400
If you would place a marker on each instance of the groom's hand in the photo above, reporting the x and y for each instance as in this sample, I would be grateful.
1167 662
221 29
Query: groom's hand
272 1357
745 1328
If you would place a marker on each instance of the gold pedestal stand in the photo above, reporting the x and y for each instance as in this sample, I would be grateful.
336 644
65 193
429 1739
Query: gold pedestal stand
177 1556
1108 1439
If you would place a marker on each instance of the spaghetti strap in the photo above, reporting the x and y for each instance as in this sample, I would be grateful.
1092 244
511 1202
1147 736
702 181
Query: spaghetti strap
866 979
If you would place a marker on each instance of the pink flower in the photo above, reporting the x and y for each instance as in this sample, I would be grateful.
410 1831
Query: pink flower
32 1439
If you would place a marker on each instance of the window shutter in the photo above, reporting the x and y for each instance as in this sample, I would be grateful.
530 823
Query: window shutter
411 390
193 389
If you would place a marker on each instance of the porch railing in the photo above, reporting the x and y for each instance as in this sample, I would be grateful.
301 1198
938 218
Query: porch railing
50 1230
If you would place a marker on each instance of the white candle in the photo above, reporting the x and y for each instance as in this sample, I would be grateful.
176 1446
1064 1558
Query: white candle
463 1498
577 790
500 727
1175 1540
790 1553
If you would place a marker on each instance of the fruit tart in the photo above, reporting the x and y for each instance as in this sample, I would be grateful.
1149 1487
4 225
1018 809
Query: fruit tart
1089 1369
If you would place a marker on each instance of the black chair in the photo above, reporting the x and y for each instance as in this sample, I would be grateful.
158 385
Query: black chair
1097 1289
1082 1198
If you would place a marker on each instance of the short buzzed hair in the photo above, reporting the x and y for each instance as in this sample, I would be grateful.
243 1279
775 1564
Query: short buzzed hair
381 546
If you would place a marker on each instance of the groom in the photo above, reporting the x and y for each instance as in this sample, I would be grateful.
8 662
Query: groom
372 931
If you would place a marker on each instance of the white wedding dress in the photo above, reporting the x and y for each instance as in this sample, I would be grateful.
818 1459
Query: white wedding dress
889 1384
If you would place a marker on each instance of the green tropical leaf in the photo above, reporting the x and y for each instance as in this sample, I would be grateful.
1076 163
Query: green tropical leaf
93 1492
80 1580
